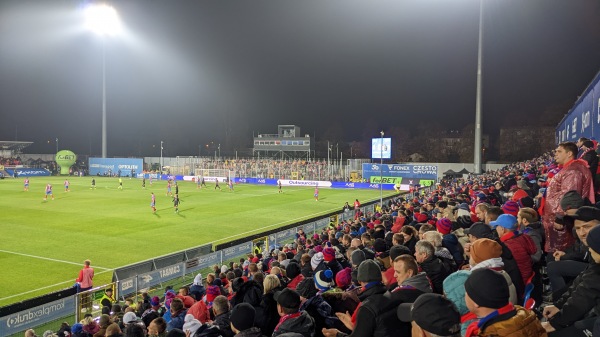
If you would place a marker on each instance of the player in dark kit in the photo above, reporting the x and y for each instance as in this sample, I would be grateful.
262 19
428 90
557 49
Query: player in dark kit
217 184
279 186
144 182
176 203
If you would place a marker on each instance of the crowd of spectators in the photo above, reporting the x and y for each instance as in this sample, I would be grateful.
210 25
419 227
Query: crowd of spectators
13 161
514 252
275 168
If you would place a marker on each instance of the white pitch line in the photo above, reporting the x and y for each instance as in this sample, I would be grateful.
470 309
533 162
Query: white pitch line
50 259
40 288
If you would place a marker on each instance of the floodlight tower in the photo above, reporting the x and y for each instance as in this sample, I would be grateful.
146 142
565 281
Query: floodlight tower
102 19
381 170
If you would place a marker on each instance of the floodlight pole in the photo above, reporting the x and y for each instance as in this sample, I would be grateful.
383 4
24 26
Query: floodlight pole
103 98
161 158
381 171
56 145
477 150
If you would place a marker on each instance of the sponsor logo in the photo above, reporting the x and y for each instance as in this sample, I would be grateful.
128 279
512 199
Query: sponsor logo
128 284
261 181
386 180
66 156
351 185
165 272
34 315
375 167
147 278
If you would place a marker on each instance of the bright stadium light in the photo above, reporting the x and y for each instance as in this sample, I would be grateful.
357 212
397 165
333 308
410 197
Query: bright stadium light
103 20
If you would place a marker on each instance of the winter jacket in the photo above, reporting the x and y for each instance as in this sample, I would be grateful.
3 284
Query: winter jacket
436 271
537 234
454 288
250 292
303 324
577 252
223 321
321 312
582 297
522 247
334 265
342 301
511 268
407 292
200 311
177 321
267 317
252 332
450 242
517 323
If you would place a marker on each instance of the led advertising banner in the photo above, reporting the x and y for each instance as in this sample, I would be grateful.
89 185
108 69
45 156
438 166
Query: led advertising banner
112 166
400 170
381 148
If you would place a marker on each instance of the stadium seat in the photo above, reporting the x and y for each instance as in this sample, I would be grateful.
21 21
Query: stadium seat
528 289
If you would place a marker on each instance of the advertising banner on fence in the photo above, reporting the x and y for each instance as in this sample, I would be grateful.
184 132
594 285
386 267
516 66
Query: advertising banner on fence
235 251
30 172
160 275
127 286
37 316
208 260
112 166
400 170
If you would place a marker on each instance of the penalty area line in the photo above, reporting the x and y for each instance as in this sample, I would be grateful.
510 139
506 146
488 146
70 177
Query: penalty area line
50 259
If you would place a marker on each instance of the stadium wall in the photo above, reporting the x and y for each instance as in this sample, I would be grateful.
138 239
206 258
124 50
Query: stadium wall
583 119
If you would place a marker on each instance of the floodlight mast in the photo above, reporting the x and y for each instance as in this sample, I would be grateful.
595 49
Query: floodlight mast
102 19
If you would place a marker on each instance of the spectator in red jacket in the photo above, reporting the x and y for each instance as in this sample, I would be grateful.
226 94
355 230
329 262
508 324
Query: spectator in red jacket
520 245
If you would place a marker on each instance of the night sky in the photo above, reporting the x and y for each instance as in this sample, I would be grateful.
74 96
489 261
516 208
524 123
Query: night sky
191 72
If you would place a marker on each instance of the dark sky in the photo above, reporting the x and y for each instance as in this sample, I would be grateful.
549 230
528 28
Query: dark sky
190 72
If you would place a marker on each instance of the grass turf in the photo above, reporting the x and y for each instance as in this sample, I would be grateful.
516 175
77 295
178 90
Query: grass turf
44 243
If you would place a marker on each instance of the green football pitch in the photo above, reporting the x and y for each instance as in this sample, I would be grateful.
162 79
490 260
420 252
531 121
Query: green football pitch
43 243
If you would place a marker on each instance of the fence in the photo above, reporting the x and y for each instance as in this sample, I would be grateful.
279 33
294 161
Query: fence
47 311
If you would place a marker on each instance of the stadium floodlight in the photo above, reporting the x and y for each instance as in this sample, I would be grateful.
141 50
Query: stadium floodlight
103 20
381 170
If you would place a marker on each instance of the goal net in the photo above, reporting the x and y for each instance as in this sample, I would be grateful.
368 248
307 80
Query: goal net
213 174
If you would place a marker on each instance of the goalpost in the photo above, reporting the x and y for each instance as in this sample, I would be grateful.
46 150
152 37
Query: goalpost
213 174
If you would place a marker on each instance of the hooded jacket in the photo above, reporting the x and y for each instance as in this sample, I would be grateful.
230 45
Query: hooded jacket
536 232
436 271
450 242
249 292
454 288
522 248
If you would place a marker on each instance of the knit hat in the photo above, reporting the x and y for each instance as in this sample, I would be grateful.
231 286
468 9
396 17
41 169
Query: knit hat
242 316
510 207
444 226
398 250
343 278
224 269
306 288
324 279
587 213
379 246
328 253
130 317
77 327
478 287
485 249
316 259
571 200
433 313
292 270
507 221
288 298
357 257
319 249
191 323
593 239
369 271
155 301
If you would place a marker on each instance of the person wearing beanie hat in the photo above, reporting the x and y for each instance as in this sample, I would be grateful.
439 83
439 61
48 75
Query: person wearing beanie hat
511 207
357 257
371 316
294 272
496 314
317 262
330 260
450 241
583 296
574 175
324 280
486 253
369 271
306 288
520 245
242 320
431 314
570 202
343 279
292 319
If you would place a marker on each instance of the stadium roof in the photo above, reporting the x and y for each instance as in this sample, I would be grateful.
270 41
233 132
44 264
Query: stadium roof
15 147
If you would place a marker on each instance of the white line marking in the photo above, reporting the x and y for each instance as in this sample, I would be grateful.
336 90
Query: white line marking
40 288
50 259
